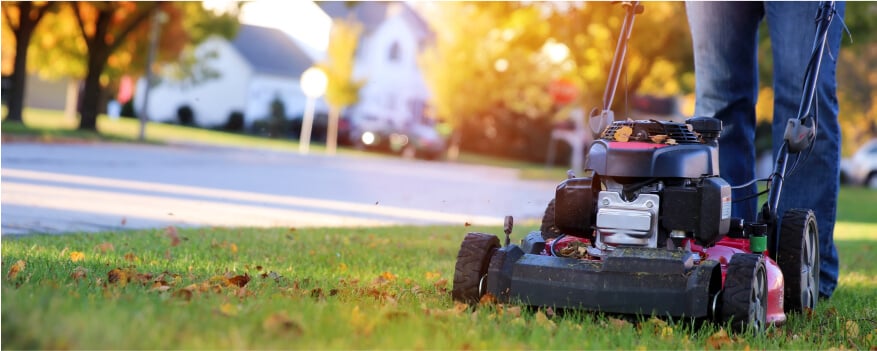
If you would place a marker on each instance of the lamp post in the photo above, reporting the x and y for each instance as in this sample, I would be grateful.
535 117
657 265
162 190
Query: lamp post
158 19
313 84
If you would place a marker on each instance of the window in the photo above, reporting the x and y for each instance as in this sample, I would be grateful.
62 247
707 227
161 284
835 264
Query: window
395 52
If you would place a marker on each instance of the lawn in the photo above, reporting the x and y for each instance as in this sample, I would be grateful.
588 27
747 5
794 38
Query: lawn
375 288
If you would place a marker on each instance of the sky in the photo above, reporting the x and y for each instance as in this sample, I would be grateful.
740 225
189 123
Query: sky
303 20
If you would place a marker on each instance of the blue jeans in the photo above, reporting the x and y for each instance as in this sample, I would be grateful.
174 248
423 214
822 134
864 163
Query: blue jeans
725 38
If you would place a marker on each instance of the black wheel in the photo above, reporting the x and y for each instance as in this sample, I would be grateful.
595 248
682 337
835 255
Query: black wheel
472 262
549 227
798 258
744 299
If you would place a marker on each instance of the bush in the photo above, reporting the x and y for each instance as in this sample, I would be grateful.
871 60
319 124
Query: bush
185 115
235 122
128 109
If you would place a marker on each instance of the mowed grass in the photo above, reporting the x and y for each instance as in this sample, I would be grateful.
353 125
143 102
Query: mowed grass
369 288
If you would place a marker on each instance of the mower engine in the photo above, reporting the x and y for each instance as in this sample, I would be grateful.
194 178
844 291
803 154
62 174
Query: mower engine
648 184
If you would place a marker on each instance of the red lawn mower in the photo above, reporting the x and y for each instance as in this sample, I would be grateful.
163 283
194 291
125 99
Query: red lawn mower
648 229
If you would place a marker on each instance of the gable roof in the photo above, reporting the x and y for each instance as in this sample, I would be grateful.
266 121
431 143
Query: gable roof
372 13
270 51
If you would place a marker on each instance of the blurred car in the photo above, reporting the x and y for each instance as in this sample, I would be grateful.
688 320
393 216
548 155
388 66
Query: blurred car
861 169
419 139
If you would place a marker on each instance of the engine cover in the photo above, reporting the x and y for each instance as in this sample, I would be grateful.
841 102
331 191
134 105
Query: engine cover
627 223
574 206
702 210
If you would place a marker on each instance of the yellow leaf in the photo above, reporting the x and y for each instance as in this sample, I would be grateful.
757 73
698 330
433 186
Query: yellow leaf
543 321
719 339
623 134
228 309
852 329
432 275
130 257
15 269
342 267
388 276
233 248
77 256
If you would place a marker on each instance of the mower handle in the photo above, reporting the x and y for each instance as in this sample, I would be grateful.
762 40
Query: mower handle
598 123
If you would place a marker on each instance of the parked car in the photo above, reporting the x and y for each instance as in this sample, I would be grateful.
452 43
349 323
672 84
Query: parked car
419 139
861 169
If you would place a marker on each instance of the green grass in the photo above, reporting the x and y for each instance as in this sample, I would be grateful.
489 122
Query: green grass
377 288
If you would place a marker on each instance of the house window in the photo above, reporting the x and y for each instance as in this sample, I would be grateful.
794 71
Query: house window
394 52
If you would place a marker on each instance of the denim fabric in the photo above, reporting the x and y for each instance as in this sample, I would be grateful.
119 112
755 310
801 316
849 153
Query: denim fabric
725 35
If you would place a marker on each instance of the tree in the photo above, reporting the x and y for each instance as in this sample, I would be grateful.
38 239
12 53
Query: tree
342 90
69 43
22 18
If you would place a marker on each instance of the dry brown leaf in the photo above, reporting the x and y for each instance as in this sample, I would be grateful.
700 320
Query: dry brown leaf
487 299
171 232
117 275
130 257
623 134
79 273
281 323
441 283
618 323
16 268
104 247
76 256
659 138
719 339
239 280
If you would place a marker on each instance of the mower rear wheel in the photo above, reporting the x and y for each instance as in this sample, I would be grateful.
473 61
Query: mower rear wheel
798 258
472 262
744 299
549 226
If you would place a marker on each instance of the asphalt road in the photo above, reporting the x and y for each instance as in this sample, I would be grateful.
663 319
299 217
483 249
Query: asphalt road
62 188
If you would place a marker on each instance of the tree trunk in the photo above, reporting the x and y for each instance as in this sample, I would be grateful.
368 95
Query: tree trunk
454 147
23 33
91 92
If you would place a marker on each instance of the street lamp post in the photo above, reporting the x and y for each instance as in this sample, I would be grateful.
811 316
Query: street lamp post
313 84
158 19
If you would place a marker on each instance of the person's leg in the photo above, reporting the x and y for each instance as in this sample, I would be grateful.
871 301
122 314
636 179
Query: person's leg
815 184
724 35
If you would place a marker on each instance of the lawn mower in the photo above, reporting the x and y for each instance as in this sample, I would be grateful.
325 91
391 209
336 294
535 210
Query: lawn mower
648 229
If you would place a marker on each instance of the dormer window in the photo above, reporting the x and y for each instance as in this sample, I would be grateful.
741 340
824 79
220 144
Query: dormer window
394 52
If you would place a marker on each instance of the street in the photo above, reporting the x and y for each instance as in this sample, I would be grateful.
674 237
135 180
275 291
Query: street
62 188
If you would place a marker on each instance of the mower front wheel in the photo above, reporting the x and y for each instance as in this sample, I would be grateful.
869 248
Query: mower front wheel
798 258
549 226
744 299
472 262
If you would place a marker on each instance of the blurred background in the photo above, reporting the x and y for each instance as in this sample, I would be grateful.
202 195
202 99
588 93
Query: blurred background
422 79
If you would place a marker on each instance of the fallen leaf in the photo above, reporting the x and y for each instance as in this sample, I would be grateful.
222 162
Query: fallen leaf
659 138
388 276
618 323
549 312
670 141
623 134
240 280
117 275
281 323
432 275
130 257
542 320
104 247
79 273
852 329
233 247
76 256
467 224
487 299
17 267
185 294
171 232
719 339
258 268
441 283
515 311
228 309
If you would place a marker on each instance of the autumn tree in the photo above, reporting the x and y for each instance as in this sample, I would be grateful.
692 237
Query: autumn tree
21 17
101 41
342 90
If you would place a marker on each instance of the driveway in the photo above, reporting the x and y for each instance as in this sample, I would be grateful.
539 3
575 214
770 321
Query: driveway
60 188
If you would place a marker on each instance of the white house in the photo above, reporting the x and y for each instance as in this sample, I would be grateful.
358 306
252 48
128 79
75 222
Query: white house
393 36
259 65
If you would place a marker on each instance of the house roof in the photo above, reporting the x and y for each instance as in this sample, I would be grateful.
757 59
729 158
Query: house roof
372 13
270 51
